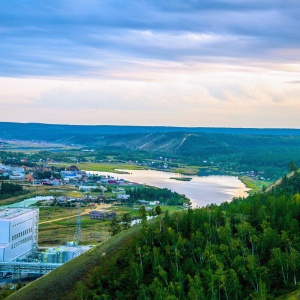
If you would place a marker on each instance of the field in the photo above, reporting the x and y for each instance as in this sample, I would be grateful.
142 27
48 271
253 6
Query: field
255 185
57 224
103 167
62 228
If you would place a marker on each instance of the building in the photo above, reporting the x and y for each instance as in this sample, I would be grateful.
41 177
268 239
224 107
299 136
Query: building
96 215
18 233
61 254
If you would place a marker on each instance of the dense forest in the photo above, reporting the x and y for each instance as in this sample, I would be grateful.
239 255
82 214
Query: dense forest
246 249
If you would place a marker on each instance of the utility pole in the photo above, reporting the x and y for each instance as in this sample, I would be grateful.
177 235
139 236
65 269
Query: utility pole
77 235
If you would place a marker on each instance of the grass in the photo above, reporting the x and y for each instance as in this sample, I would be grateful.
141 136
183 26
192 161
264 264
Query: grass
291 296
254 184
58 232
191 170
104 167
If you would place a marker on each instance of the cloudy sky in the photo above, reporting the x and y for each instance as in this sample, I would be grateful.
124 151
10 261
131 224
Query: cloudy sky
219 63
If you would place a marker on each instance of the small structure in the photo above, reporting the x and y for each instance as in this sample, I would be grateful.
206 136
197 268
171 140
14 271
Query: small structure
73 168
123 197
60 254
111 214
143 202
154 203
87 187
95 214
100 215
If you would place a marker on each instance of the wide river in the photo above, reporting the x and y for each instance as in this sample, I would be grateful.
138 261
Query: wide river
200 190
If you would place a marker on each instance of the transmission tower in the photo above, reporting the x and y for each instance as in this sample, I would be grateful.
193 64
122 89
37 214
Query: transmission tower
77 235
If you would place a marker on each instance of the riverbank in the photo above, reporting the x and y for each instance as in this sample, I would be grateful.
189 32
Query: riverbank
255 185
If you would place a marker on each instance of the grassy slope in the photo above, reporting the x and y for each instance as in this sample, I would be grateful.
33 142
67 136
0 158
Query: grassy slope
254 185
59 284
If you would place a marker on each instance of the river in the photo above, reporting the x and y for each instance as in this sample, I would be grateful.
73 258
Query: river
200 190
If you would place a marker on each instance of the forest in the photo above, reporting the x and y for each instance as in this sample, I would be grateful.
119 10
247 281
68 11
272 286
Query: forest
164 196
246 249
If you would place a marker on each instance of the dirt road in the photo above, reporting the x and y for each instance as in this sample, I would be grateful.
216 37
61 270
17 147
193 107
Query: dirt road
85 212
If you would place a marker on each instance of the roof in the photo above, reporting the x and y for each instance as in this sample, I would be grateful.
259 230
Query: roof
10 213
95 212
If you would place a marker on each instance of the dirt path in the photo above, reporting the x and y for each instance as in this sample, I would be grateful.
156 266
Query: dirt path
278 182
85 212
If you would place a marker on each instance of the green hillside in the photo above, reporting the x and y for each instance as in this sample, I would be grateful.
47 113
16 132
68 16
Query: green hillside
61 283
246 249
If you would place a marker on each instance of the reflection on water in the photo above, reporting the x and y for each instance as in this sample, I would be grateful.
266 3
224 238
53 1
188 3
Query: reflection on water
200 190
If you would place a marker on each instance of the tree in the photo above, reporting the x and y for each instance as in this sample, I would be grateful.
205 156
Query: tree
158 210
126 221
292 166
114 226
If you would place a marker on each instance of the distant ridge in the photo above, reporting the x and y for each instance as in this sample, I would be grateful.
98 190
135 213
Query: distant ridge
53 132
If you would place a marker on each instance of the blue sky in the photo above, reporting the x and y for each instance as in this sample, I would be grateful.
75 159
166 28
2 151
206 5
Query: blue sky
183 63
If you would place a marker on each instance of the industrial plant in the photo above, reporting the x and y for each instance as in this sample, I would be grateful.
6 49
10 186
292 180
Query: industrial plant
19 253
18 233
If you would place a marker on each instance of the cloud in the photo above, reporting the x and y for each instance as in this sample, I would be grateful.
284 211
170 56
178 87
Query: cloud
64 38
195 63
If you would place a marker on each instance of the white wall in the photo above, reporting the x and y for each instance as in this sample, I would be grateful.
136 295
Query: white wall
19 232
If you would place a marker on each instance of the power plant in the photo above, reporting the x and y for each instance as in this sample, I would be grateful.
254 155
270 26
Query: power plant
18 233
19 252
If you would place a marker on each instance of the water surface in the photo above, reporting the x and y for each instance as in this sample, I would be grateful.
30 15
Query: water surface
200 190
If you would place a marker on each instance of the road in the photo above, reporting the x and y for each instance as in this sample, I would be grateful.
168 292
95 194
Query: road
85 212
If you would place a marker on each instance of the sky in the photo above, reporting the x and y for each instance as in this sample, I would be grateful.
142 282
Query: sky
205 63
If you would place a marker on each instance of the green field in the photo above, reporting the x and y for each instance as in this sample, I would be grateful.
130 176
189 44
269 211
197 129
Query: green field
104 167
255 185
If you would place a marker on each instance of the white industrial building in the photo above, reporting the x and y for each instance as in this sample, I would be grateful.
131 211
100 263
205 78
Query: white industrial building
18 233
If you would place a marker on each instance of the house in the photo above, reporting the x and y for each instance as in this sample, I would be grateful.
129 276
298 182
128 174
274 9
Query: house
123 197
73 168
154 203
87 187
111 214
29 177
96 215
112 181
61 199
55 182
143 202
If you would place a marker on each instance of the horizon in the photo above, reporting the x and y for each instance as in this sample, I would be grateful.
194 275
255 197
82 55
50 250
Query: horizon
154 125
221 64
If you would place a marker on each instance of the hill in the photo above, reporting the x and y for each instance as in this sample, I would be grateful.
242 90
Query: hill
246 249
263 151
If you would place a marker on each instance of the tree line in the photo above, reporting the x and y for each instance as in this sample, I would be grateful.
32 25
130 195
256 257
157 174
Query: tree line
10 189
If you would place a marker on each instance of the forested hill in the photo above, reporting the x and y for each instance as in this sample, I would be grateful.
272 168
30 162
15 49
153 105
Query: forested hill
246 249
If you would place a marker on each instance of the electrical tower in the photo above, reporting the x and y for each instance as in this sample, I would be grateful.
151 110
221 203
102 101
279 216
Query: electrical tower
77 235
